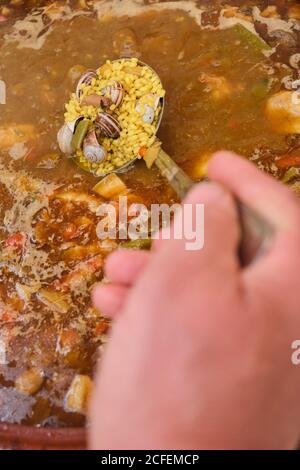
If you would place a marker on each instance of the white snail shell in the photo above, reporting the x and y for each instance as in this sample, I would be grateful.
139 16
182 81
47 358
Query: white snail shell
64 139
65 136
92 150
295 61
94 153
115 91
287 82
86 79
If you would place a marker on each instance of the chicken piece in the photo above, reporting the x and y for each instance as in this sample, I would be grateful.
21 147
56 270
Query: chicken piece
80 252
56 301
78 394
283 112
16 134
219 87
67 341
30 381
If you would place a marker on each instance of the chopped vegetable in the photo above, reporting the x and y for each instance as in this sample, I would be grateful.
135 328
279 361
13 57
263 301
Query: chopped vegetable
110 186
134 71
152 153
101 327
71 231
25 292
143 151
296 188
78 394
54 300
289 160
30 381
67 341
139 244
84 272
78 198
80 252
290 174
17 241
250 38
80 133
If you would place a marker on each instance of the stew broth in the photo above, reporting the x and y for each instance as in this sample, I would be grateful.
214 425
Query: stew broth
219 62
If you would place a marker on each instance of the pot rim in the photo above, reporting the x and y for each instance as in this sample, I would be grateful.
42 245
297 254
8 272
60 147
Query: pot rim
19 436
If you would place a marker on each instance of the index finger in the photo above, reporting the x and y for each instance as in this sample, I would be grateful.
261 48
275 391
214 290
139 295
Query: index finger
272 200
278 205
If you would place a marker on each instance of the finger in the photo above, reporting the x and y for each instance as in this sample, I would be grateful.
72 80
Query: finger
109 298
124 266
257 190
219 227
275 203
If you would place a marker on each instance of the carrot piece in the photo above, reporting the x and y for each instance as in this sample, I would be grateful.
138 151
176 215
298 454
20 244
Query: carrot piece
289 160
30 154
101 327
71 231
142 151
16 240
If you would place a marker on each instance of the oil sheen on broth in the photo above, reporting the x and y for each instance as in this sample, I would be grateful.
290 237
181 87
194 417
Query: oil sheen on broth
224 68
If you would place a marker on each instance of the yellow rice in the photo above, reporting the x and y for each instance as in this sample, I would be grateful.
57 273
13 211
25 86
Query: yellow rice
139 82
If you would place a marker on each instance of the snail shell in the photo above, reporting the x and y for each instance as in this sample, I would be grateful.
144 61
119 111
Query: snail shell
115 91
295 61
65 135
92 150
85 79
108 125
64 139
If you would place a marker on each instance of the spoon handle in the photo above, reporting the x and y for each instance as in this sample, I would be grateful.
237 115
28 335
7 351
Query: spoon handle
256 232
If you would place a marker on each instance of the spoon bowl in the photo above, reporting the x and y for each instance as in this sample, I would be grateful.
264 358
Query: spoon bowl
127 166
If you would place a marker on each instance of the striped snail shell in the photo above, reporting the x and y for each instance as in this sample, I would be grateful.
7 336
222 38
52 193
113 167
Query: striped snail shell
108 125
92 150
115 91
85 79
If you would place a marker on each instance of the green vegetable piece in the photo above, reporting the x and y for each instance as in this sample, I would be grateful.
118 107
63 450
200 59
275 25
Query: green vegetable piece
290 174
80 133
260 89
139 244
250 38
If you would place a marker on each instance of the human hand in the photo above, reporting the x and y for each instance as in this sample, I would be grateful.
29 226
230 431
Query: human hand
199 354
